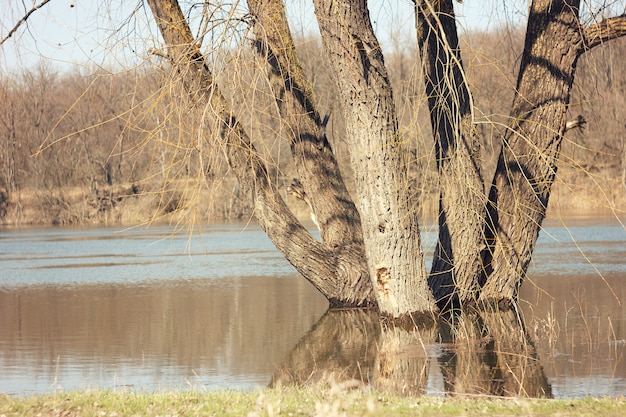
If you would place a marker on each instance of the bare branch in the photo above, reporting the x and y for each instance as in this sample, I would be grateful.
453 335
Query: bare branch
159 52
578 123
604 31
23 20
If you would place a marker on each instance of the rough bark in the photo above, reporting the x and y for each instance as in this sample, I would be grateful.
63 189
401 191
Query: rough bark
604 31
338 275
389 221
374 247
318 170
457 262
526 168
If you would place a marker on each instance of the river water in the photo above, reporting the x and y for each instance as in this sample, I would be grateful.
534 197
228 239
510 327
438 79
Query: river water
153 308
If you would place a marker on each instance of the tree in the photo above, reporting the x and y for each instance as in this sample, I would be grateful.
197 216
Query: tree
373 245
370 253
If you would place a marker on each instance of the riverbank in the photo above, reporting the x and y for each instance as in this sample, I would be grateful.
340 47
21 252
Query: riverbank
332 401
574 194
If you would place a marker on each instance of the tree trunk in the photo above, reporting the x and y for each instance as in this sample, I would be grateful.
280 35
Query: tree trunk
389 219
374 247
457 262
526 168
338 275
320 176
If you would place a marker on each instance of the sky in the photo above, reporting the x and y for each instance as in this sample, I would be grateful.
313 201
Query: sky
118 33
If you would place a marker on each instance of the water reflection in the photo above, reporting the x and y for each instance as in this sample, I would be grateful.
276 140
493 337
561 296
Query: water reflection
341 346
210 334
486 353
156 309
491 353
579 325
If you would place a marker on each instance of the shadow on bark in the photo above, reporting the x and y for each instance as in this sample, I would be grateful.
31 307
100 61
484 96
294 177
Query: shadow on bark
486 353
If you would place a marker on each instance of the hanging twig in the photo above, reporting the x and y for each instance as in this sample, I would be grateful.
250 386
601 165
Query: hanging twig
23 20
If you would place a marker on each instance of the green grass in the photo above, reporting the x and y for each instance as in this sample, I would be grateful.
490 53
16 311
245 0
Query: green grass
294 402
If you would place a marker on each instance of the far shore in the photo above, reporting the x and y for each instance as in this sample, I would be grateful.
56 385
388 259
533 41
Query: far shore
130 205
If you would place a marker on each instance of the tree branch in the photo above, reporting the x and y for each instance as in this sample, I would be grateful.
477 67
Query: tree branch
324 267
320 176
23 20
604 31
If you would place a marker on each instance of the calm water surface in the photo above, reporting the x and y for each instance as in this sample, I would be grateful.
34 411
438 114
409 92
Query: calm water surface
151 309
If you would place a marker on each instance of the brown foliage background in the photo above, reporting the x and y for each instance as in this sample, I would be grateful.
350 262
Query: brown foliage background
102 148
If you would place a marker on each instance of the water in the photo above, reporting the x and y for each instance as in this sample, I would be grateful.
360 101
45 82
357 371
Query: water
154 309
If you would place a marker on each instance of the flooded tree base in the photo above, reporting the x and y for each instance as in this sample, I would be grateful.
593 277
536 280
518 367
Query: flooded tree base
482 353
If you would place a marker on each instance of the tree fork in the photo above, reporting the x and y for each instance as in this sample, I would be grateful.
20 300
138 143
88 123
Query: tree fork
337 276
389 220
457 262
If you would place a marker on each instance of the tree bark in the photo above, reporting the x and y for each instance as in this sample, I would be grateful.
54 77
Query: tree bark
337 275
319 172
526 168
320 176
374 247
457 261
389 219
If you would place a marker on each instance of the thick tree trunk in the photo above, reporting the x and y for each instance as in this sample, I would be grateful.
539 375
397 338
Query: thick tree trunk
339 275
318 169
376 249
389 221
457 262
527 164
526 168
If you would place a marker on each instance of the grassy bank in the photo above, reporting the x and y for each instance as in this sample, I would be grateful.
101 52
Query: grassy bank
295 402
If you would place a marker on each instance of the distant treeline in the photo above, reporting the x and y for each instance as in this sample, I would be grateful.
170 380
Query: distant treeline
127 147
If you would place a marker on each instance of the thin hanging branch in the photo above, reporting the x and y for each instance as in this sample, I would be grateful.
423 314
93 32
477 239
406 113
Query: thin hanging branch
23 20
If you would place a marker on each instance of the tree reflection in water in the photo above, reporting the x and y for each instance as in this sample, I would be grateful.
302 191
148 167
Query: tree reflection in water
479 353
490 353
341 347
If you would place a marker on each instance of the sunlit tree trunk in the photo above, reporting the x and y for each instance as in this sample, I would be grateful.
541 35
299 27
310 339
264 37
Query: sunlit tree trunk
388 216
318 170
336 274
457 262
526 168
370 252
